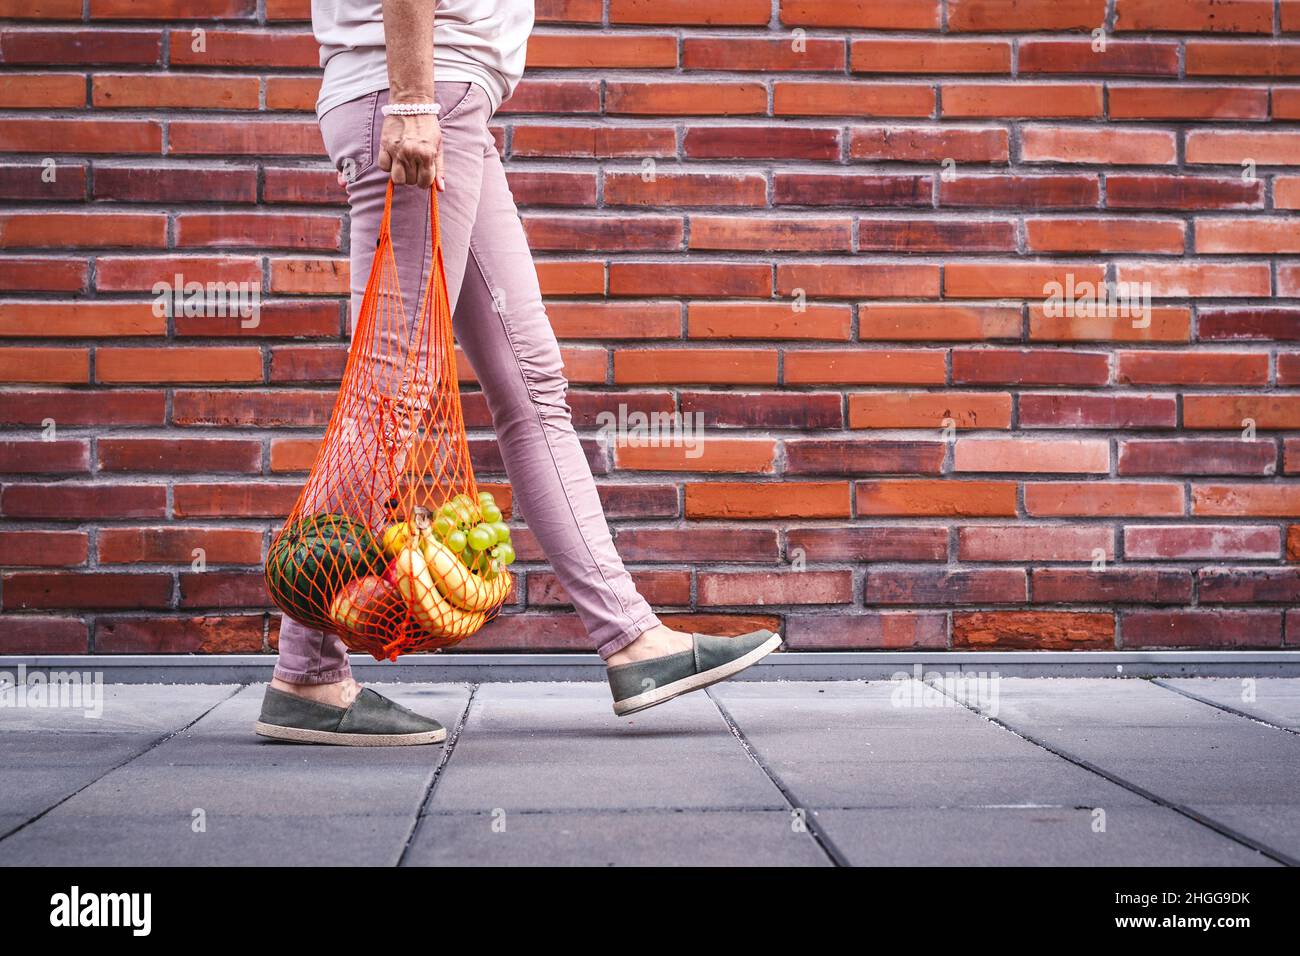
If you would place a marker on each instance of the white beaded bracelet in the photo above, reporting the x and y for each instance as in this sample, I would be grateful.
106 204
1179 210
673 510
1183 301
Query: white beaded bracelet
410 109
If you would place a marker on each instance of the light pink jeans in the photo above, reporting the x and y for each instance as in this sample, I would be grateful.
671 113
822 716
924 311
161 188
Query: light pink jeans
502 327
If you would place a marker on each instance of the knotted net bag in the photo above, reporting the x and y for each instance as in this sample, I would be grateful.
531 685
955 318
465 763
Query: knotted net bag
390 544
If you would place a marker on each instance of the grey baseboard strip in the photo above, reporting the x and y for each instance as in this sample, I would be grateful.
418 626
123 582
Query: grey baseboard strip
790 665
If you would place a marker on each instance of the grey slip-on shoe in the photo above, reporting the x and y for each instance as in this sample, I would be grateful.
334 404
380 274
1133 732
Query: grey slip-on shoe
643 684
371 721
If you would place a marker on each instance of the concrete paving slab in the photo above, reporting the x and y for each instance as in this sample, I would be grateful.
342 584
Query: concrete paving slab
857 748
598 838
141 708
1189 754
1134 836
225 735
560 747
1274 700
132 839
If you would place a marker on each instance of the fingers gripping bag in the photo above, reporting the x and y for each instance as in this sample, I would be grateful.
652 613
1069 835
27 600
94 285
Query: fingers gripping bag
390 545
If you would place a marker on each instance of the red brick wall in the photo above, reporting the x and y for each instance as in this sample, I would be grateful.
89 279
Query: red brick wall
829 498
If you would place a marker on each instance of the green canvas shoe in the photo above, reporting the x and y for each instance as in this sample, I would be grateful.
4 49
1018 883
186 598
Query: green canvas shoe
371 721
643 684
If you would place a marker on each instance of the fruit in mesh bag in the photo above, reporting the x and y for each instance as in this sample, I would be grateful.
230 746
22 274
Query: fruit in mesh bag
370 607
449 599
312 559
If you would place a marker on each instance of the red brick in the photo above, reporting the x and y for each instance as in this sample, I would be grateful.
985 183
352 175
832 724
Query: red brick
1036 630
852 98
1098 499
1072 456
67 590
864 367
685 189
1117 585
1242 58
1010 543
177 545
1265 148
1021 100
745 588
1233 411
42 91
1139 191
77 502
811 456
757 54
1120 147
1201 628
690 278
1120 58
45 366
1188 102
761 142
904 497
930 56
1063 410
905 321
762 320
1104 235
929 144
863 14
691 12
803 410
1192 368
1249 323
171 455
31 634
1029 367
175 364
617 51
89 46
935 235
659 98
1195 16
998 16
1198 279
865 280
858 543
750 500
883 630
672 545
721 455
1167 324
1022 192
44 549
209 634
941 586
34 456
755 234
998 280
711 366
1248 585
929 409
191 91
1201 542
1197 457
835 189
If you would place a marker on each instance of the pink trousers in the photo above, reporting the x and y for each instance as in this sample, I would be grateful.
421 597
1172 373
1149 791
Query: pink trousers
501 325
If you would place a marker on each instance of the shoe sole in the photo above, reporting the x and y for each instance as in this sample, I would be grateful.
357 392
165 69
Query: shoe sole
699 681
301 735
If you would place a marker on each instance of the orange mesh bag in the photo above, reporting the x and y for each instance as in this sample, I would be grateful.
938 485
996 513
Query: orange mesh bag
390 544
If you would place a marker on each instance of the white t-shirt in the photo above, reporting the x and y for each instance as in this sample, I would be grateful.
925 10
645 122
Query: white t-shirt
474 41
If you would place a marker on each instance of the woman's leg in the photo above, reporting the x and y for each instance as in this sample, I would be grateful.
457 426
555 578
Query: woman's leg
309 657
502 326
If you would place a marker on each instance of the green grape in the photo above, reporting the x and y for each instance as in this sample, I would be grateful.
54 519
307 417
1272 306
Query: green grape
449 510
502 531
481 538
443 526
504 553
457 541
485 498
491 514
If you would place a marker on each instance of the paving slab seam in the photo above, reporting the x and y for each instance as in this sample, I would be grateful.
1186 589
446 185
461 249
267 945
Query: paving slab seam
1276 856
1227 709
447 749
162 739
819 836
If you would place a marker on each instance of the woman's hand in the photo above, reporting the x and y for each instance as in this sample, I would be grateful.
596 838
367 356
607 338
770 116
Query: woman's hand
410 150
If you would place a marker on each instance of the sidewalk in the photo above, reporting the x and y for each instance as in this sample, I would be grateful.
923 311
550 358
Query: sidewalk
1071 771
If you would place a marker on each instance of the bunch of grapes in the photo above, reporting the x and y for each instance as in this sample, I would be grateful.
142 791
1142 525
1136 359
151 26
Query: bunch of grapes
476 532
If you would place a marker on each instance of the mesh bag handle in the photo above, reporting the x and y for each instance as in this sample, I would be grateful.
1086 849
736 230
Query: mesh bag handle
385 544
